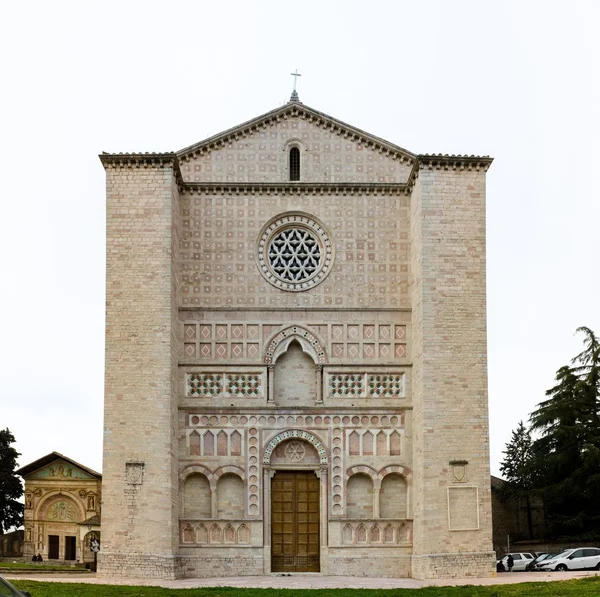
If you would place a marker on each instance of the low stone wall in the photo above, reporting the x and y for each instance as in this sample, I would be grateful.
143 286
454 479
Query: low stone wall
373 562
457 565
221 562
137 565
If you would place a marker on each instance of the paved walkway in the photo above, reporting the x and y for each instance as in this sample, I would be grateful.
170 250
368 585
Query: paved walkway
308 581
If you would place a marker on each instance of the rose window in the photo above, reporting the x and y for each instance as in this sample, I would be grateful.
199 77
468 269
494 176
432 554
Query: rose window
294 252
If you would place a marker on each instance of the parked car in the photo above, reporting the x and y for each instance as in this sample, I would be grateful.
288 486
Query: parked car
547 557
520 561
8 590
538 558
580 558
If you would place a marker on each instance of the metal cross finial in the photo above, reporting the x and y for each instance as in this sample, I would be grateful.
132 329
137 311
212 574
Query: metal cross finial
294 97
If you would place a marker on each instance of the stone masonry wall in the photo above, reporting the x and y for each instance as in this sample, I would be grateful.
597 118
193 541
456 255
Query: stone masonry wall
140 502
451 457
219 238
325 156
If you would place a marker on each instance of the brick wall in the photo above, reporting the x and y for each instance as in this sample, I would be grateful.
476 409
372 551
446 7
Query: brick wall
450 370
360 497
295 379
392 497
230 497
140 502
197 497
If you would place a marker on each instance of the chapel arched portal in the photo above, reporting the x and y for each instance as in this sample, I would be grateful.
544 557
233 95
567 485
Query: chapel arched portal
295 487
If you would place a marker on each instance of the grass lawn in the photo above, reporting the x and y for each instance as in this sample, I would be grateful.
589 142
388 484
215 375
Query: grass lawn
586 587
10 566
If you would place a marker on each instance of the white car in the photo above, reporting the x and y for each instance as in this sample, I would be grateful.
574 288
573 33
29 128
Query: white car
520 561
579 558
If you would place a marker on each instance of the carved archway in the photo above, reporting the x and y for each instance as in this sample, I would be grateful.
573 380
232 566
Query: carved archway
62 514
311 344
295 434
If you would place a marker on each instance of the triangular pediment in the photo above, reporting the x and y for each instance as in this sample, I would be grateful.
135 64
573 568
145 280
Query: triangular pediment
55 467
331 152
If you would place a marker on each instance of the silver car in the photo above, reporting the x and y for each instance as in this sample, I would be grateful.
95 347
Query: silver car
520 561
580 558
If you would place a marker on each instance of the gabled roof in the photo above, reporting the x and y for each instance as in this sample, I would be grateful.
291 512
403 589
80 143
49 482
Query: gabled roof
296 109
49 459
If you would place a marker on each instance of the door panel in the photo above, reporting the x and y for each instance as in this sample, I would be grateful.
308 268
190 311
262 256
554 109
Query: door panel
295 522
70 548
53 547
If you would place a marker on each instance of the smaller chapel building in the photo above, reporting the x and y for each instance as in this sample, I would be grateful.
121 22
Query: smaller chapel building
296 358
62 509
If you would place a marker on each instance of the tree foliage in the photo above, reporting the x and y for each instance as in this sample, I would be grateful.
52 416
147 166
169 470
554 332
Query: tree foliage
518 471
566 454
11 510
516 466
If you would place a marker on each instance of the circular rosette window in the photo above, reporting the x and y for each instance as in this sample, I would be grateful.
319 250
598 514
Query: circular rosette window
294 252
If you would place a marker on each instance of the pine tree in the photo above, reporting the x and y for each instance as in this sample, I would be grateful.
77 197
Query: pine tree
517 470
11 510
567 453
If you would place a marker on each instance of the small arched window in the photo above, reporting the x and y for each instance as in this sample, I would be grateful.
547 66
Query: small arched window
294 163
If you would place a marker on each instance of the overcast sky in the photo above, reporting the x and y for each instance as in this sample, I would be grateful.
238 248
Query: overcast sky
515 80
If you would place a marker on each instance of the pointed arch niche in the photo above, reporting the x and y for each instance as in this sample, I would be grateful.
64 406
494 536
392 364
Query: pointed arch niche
294 359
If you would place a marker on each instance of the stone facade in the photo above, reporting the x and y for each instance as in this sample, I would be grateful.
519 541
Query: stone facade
61 495
333 325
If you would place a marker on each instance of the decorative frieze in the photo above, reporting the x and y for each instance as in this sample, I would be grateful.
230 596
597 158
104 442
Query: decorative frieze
365 385
215 442
228 385
376 533
373 442
217 533
248 342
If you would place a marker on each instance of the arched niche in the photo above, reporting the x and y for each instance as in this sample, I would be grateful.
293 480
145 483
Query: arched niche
295 376
311 344
58 507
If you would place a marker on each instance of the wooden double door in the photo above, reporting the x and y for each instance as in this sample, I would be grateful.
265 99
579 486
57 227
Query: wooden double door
295 522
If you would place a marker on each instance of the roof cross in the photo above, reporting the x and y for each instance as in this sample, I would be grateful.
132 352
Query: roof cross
294 97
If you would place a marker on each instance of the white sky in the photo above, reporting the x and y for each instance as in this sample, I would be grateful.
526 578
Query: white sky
515 80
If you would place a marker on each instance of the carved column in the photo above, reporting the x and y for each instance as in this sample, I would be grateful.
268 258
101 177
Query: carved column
271 385
319 370
266 508
376 490
214 512
324 506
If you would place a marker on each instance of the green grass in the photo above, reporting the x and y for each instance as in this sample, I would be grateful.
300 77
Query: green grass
586 587
10 566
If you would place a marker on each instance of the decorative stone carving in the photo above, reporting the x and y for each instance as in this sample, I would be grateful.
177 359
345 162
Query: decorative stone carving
204 384
61 472
134 473
294 452
293 433
294 252
62 511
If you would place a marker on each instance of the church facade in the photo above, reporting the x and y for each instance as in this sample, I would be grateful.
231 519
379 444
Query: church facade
296 366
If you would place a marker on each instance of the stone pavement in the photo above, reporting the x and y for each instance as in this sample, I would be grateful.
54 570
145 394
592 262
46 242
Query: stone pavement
309 581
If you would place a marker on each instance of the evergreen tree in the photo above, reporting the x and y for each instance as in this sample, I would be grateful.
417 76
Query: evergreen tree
517 470
567 452
11 510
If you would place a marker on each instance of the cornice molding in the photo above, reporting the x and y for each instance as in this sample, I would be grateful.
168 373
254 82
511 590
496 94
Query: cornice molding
142 160
454 162
257 188
137 159
297 110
